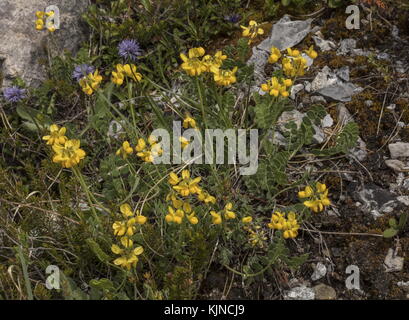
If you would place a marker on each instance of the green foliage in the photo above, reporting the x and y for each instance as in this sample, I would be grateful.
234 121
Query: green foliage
396 227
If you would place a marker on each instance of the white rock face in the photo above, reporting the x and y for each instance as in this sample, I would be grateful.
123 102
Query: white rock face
23 49
399 149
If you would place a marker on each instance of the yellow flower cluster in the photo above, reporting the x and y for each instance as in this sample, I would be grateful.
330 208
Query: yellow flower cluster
67 152
189 122
183 187
276 87
122 71
252 30
294 64
288 225
148 151
125 229
318 198
90 83
217 217
196 63
40 22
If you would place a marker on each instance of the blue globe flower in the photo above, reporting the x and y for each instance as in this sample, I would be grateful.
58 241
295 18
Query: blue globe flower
129 49
14 94
82 71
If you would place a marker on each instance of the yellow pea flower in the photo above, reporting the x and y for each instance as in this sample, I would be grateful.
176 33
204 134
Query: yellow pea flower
192 219
57 135
216 218
192 64
125 150
224 77
275 55
184 142
68 154
252 30
311 53
188 121
293 53
228 214
247 219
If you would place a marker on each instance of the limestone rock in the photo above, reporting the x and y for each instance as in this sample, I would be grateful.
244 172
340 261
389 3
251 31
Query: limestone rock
23 49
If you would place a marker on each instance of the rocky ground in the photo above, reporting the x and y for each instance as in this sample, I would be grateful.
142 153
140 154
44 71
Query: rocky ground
362 76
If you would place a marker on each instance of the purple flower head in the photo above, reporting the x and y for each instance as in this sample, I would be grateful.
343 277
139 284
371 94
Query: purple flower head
232 18
14 94
82 71
129 49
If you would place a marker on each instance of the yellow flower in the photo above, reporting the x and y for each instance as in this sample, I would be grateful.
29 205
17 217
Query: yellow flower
318 199
192 64
188 185
288 225
275 55
293 53
214 61
130 71
126 242
274 88
287 82
90 83
192 219
173 179
174 216
308 192
49 13
141 145
216 218
247 219
139 218
224 77
206 197
252 31
125 150
228 214
184 142
40 14
129 260
39 24
126 210
57 135
118 76
68 154
189 122
51 27
311 52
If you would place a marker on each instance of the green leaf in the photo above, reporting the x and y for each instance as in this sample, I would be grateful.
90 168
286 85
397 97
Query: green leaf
393 223
403 219
101 255
389 233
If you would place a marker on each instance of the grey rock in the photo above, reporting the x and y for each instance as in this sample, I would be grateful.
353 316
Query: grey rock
399 149
343 73
404 200
396 165
22 52
368 103
307 86
329 84
393 263
320 271
324 292
284 34
346 46
295 89
375 200
327 122
300 293
318 99
290 116
324 45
